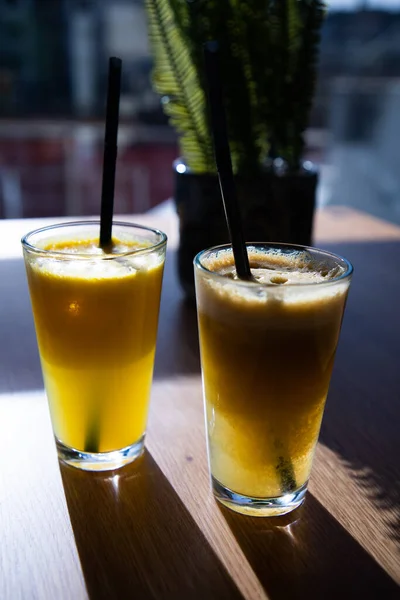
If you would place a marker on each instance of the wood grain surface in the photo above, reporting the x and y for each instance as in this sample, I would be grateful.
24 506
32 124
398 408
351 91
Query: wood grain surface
152 529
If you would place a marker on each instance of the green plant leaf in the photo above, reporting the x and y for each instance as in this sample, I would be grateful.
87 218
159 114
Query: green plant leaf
176 79
268 55
216 20
257 58
302 84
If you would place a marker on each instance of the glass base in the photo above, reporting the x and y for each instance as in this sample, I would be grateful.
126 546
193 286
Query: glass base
99 461
258 507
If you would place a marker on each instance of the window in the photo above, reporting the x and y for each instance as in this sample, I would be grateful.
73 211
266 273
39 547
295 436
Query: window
53 69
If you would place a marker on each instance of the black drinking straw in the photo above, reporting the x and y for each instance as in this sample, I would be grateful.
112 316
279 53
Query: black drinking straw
228 191
110 150
107 208
223 160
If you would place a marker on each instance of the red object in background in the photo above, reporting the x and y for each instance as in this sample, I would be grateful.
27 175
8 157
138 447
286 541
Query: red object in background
42 177
32 177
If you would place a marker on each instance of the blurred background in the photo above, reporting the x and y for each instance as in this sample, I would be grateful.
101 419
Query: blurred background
53 70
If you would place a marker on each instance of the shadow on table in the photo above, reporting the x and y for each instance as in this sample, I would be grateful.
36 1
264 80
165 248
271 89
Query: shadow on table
362 417
308 554
177 341
136 539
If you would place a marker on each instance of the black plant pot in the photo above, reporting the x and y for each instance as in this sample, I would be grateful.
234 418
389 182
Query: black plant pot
274 208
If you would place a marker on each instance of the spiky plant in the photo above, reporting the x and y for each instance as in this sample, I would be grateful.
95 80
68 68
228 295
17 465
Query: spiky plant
269 52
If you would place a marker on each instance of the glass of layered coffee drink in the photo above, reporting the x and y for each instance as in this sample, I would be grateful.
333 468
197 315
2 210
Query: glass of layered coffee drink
267 351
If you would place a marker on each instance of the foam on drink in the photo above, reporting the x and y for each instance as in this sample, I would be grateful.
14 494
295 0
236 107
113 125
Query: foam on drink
124 258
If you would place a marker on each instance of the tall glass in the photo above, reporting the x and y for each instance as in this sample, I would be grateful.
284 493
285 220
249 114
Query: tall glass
267 351
96 316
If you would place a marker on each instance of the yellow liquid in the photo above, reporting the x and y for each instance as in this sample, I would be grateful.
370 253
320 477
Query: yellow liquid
266 364
96 328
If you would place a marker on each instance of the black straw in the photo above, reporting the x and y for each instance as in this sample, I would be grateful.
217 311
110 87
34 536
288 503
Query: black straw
223 160
91 443
110 151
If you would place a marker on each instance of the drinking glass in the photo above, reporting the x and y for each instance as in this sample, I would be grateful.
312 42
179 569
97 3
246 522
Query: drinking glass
96 316
267 349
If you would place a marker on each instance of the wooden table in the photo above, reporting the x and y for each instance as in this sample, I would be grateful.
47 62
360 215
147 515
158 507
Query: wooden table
152 529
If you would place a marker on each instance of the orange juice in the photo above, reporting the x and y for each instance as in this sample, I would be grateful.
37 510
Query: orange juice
96 318
267 352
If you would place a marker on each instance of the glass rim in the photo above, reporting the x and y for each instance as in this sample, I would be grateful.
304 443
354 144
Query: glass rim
240 282
84 256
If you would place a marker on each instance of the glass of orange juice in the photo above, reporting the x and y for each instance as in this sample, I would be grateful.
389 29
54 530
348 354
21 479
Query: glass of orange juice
96 316
267 350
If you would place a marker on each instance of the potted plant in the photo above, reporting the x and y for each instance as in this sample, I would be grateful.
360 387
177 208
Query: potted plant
268 55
